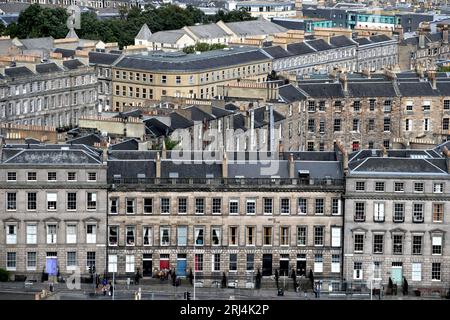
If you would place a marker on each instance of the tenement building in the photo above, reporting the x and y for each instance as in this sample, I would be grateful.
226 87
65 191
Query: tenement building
367 111
102 62
396 225
49 94
320 56
53 207
235 214
425 49
139 79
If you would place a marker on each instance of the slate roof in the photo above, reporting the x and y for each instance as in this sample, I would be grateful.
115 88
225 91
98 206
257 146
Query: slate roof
299 48
47 68
220 112
379 38
88 140
157 128
131 144
102 58
16 72
362 41
277 52
197 114
416 89
191 62
371 89
330 90
144 33
398 166
290 93
290 24
319 45
45 156
208 31
255 27
73 64
130 169
341 41
45 43
177 121
190 170
66 53
171 36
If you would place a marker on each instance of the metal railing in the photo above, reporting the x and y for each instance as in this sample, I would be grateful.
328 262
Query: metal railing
227 181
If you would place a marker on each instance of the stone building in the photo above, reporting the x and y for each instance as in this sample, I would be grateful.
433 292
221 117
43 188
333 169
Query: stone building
425 49
323 55
404 110
396 205
233 216
47 94
102 63
53 203
137 80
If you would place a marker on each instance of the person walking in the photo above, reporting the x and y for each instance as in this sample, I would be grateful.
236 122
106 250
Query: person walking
191 276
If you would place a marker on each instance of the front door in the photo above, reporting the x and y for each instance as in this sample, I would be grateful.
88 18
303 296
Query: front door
284 268
397 275
147 267
181 267
267 265
301 267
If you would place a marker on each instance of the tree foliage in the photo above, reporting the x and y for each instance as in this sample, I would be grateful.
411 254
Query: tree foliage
4 275
36 21
202 47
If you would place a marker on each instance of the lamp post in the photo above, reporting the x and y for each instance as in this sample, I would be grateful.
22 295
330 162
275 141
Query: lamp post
194 265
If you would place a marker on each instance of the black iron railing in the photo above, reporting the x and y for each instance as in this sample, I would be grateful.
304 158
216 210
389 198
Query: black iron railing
227 181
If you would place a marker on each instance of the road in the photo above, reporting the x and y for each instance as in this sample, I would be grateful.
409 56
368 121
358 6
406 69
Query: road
19 291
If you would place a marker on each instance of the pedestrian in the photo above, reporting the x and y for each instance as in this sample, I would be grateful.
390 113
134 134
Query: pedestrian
318 289
174 278
315 290
111 288
294 279
276 277
105 289
191 277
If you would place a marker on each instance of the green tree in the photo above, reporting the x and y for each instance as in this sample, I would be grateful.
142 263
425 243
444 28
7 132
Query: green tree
35 21
4 275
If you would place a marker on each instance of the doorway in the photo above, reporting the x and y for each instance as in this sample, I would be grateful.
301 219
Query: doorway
267 265
301 264
397 273
147 265
284 265
181 265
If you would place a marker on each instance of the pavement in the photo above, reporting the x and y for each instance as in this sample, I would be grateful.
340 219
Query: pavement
165 291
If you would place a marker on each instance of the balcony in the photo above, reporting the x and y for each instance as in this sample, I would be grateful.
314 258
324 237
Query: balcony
227 182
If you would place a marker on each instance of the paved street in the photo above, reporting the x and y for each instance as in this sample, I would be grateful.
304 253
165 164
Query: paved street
18 291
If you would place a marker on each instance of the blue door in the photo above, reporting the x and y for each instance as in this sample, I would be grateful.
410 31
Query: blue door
397 275
181 267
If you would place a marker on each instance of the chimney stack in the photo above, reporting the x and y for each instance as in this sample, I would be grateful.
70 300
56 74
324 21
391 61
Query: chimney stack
367 73
445 33
446 153
158 166
2 142
421 38
224 165
432 78
291 166
344 156
164 150
344 81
